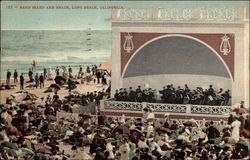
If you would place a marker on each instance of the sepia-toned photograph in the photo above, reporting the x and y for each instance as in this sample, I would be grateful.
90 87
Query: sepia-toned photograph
124 80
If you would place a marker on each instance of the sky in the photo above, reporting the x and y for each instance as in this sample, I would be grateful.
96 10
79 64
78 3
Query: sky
80 19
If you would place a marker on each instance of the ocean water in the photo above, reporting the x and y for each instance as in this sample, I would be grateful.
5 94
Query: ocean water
53 48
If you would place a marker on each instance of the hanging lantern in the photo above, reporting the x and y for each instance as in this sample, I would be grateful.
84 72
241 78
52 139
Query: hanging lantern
225 47
128 45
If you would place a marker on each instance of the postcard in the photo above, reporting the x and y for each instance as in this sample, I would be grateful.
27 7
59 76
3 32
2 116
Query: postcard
124 79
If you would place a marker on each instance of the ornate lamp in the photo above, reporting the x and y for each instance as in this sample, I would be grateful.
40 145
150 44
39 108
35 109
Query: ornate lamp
128 45
225 47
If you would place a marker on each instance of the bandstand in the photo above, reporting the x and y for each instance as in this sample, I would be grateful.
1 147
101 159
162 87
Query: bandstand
194 46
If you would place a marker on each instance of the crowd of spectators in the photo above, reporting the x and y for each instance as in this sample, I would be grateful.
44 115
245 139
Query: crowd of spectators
35 134
170 94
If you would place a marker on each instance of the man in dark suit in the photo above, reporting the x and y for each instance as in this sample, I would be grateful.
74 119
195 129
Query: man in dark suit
163 94
120 95
21 81
212 132
8 77
15 76
131 95
179 95
30 75
139 94
125 95
41 80
150 95
211 91
116 96
98 76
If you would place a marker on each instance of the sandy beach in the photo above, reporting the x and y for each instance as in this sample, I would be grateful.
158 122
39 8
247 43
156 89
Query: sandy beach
81 88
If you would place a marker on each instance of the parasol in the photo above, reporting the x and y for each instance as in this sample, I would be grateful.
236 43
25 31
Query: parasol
60 80
103 127
85 115
9 145
166 130
31 137
122 130
27 151
190 124
27 106
137 131
239 110
44 150
55 86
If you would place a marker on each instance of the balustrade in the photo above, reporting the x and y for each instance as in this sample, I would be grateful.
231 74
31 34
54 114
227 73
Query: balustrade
162 107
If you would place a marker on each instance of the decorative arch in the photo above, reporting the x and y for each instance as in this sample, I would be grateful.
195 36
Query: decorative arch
182 36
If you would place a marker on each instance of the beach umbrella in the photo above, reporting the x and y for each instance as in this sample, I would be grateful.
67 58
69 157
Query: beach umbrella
44 150
190 124
60 80
85 115
31 137
27 106
245 133
27 151
55 86
122 130
103 127
239 110
136 130
166 130
9 145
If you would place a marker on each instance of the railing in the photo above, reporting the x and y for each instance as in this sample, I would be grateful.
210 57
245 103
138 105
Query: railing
161 107
142 14
114 105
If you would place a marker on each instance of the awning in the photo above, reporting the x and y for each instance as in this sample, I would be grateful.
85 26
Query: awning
105 66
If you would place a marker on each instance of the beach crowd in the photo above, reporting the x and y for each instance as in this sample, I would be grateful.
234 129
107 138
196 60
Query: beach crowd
91 74
36 132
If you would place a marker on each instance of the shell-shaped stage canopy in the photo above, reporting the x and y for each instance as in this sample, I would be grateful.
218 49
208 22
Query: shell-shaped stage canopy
176 55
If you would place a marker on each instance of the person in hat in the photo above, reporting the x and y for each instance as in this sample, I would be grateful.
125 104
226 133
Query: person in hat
100 155
124 150
8 77
41 80
15 76
109 148
21 81
212 132
236 129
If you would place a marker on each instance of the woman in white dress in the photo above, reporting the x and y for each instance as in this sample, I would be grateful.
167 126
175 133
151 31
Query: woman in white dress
236 129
